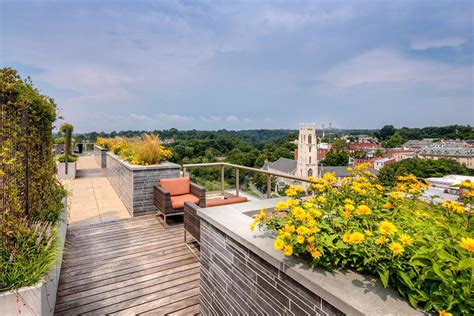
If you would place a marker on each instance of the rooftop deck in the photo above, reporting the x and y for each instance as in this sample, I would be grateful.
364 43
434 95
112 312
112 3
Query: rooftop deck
132 266
117 264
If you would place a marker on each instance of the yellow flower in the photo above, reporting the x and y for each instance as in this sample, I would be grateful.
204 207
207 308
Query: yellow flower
252 226
381 240
302 230
349 207
280 206
311 239
387 228
349 169
356 238
445 313
346 237
379 187
397 195
405 239
363 210
318 186
316 254
348 201
294 191
368 233
330 176
467 243
300 239
388 205
316 213
396 248
321 199
453 206
278 244
288 250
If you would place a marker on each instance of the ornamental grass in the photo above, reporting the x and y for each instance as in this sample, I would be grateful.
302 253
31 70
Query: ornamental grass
420 248
145 151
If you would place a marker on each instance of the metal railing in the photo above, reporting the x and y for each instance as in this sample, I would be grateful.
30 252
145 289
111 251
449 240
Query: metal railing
237 168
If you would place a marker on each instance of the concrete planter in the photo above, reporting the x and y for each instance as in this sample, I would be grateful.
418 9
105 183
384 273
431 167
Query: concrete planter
39 299
134 184
62 170
100 155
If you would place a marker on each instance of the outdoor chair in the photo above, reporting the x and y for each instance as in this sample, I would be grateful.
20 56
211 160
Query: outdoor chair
170 195
192 223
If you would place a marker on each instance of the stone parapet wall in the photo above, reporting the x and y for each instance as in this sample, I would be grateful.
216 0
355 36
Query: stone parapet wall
134 184
235 280
100 155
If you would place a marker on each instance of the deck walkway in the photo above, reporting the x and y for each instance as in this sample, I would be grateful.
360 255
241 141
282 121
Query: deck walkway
129 267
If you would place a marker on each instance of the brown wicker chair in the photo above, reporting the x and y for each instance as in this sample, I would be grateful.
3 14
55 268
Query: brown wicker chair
171 194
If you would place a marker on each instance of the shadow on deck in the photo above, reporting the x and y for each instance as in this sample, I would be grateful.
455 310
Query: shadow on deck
132 266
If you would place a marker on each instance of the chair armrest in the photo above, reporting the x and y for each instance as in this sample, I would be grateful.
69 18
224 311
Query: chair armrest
192 222
162 199
200 192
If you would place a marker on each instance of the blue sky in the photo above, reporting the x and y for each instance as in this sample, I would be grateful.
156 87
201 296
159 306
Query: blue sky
116 65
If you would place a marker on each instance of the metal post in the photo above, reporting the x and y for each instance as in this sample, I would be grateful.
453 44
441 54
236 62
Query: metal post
269 186
237 179
26 162
67 149
222 179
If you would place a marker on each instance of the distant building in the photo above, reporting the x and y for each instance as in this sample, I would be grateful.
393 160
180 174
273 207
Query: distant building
418 144
448 181
363 139
362 146
463 155
400 153
381 162
339 171
307 162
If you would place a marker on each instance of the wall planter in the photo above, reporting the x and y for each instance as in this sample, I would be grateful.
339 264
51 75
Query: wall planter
62 170
134 183
100 155
39 299
242 273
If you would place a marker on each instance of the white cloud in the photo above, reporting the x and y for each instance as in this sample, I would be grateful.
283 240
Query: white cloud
384 66
422 44
231 118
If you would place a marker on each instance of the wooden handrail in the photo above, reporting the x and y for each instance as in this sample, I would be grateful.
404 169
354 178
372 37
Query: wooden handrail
222 165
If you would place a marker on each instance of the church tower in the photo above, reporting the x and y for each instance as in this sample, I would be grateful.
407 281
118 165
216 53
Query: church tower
307 164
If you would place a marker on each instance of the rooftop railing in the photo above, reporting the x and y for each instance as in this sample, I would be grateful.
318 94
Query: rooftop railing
237 168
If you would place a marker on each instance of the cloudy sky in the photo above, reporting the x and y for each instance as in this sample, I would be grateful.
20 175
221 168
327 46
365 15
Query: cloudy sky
115 65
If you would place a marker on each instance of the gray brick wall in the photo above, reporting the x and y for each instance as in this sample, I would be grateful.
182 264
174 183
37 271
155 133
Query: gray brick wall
134 186
100 155
234 281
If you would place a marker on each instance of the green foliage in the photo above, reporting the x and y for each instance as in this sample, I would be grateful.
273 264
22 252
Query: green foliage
422 168
31 194
358 154
423 250
386 132
336 158
63 129
62 158
396 140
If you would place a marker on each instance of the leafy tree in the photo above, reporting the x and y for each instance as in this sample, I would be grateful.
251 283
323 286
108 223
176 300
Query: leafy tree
62 129
339 145
422 168
386 132
336 159
378 153
396 140
358 154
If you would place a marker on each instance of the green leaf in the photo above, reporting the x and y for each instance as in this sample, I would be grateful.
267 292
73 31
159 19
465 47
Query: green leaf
405 279
384 276
437 270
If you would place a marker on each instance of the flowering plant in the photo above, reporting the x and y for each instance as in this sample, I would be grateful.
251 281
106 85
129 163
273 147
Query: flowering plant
422 249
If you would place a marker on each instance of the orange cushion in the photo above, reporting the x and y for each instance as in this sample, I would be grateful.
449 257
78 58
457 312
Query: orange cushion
178 200
176 186
232 200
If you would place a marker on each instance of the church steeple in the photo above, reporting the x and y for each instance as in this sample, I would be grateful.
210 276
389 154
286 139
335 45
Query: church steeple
307 164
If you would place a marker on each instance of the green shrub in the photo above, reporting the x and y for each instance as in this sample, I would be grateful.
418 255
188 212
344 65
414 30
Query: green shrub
62 158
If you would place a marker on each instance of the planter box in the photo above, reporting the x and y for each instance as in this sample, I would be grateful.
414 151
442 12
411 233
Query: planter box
242 273
134 184
62 170
39 299
100 155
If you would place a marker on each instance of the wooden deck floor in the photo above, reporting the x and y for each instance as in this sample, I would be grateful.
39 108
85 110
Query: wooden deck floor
133 266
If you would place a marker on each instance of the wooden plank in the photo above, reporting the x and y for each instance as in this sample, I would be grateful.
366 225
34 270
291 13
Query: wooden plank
193 266
155 300
115 245
126 301
128 251
121 223
188 306
114 232
127 273
130 267
97 264
86 271
132 288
